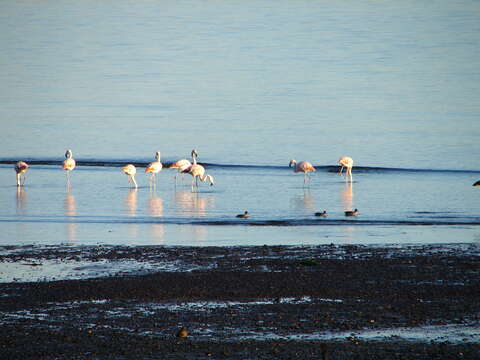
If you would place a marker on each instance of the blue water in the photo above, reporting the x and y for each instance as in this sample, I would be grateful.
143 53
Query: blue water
250 85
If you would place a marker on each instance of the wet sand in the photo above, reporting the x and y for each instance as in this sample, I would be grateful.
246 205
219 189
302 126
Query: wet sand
265 302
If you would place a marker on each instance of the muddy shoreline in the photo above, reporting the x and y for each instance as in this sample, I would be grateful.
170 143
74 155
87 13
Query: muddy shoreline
265 302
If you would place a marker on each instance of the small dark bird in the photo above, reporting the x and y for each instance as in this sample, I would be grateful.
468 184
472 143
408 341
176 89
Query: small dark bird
324 213
244 215
182 333
477 183
351 213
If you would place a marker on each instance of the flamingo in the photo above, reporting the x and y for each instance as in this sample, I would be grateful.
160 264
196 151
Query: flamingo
198 172
183 165
69 164
346 162
130 170
21 168
302 166
154 168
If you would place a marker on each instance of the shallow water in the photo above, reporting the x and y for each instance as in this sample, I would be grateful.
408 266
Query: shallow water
99 207
395 85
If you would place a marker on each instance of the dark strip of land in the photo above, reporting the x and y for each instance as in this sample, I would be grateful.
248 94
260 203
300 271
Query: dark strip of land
248 303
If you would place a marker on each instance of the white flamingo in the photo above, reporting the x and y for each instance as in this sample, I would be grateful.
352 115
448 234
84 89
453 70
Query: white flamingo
302 166
347 163
130 170
198 172
154 168
183 165
21 168
68 164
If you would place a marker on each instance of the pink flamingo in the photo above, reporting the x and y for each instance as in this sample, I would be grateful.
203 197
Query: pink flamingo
198 172
154 168
21 168
130 170
68 164
183 165
302 166
346 162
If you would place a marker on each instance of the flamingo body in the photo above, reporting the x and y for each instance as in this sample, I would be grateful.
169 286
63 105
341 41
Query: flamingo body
302 166
21 168
181 165
130 170
198 172
154 167
347 163
184 165
69 163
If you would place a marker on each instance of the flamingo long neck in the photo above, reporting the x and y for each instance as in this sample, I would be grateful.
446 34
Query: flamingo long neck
157 156
194 158
206 177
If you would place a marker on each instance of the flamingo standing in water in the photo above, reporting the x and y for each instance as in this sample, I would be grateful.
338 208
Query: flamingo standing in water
21 168
68 164
198 172
130 170
347 163
154 168
302 166
183 165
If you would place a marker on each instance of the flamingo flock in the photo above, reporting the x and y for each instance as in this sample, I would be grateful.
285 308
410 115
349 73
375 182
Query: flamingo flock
183 166
193 168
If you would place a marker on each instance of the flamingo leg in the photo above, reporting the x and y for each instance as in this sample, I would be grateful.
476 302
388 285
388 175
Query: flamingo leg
134 182
341 169
67 174
193 184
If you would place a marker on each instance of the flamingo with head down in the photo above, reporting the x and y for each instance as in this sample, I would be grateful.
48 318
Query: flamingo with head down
130 170
198 172
21 168
347 163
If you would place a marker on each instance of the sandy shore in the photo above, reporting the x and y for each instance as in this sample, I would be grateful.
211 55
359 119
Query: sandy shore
275 302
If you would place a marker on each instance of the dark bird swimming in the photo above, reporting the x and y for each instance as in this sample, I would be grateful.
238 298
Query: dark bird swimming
244 215
351 213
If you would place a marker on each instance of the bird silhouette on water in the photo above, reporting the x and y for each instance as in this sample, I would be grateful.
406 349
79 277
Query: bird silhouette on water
351 212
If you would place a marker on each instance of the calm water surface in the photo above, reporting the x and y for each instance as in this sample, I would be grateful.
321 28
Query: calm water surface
393 84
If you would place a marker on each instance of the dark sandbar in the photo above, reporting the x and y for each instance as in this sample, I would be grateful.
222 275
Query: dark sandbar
274 302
